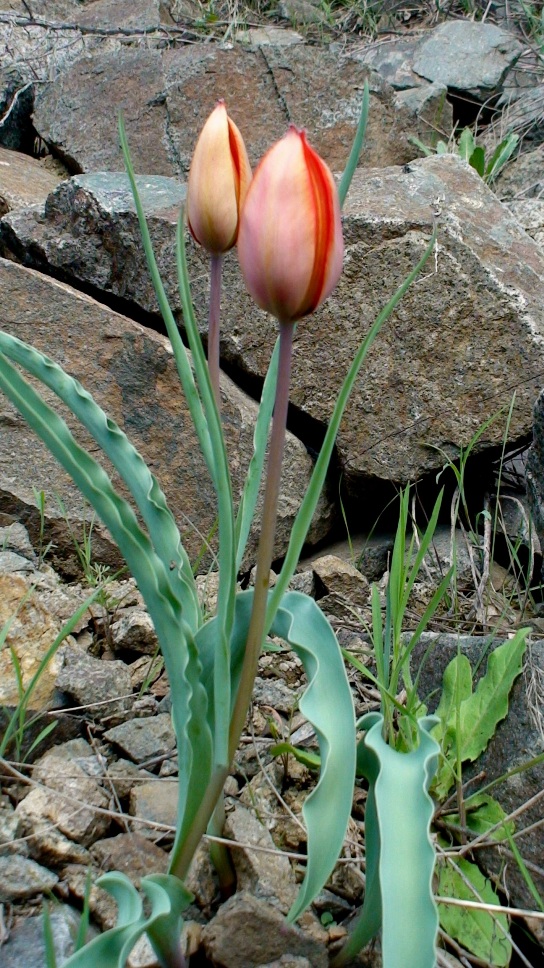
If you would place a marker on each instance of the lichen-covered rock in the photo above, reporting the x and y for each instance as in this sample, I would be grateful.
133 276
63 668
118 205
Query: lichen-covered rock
467 56
144 738
24 181
466 335
267 88
265 874
31 633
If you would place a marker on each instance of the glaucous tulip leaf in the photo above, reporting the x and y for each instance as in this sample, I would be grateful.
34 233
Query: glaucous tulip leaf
326 703
148 568
144 487
399 852
168 899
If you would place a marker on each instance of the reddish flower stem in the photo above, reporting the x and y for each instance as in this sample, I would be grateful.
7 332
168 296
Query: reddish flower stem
257 630
213 325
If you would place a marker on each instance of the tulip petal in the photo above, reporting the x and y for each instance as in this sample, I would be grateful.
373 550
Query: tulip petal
329 251
240 162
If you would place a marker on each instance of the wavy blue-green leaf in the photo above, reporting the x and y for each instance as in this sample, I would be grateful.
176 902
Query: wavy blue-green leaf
399 851
147 568
168 899
195 768
326 703
129 464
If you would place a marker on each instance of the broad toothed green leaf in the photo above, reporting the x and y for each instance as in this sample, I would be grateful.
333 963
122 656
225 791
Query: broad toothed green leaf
481 712
482 932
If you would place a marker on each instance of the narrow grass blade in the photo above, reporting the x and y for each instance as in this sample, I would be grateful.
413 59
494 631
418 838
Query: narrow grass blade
524 871
49 941
180 353
43 734
129 464
306 757
425 150
353 159
83 926
424 544
306 511
248 501
434 603
221 477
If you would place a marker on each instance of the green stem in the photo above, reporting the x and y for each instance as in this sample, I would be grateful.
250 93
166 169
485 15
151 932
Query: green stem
169 955
179 866
219 853
213 325
257 623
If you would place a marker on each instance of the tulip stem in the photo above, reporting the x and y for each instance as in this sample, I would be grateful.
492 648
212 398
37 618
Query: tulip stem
213 325
257 630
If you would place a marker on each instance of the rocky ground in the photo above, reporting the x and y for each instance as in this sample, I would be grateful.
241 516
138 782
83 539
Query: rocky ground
98 791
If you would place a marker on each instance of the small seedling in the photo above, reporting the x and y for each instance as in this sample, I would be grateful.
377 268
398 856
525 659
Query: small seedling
467 149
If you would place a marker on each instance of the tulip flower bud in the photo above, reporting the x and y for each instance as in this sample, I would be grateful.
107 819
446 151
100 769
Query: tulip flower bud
219 177
290 244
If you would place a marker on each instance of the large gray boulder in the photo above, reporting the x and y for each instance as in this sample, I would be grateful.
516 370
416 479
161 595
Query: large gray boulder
130 371
166 95
465 337
468 56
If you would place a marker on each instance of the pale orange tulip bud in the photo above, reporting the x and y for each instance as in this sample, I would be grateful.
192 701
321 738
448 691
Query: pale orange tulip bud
290 243
219 177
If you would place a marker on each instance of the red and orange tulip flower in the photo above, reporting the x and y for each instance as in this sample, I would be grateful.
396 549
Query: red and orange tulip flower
290 242
218 182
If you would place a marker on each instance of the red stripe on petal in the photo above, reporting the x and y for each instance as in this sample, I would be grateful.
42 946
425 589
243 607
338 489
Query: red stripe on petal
323 201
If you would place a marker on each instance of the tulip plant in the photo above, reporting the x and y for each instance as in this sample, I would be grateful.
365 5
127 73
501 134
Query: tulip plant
286 223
